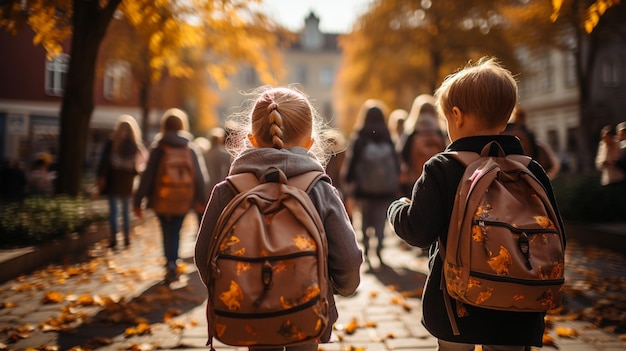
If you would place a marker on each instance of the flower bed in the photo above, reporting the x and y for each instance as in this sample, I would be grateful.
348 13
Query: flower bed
38 220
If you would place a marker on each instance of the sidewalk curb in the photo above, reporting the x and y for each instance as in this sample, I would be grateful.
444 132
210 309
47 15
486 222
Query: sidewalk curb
15 262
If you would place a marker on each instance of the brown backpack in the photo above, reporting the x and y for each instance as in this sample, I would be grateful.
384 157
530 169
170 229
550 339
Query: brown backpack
174 186
505 246
268 281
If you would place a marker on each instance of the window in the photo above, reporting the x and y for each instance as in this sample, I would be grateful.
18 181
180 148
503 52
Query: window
610 74
117 78
301 75
249 77
56 73
545 72
327 76
570 69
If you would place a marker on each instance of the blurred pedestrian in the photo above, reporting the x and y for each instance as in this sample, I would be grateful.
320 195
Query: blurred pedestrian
396 123
173 183
537 150
424 139
607 156
123 158
39 179
337 144
217 158
621 134
371 173
13 180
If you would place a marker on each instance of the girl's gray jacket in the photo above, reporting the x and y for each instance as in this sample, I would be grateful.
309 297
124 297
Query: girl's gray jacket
344 255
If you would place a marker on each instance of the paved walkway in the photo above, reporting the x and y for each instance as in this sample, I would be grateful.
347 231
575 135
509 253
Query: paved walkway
117 301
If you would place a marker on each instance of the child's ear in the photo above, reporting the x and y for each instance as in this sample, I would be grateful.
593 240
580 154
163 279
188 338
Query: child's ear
253 140
308 143
457 117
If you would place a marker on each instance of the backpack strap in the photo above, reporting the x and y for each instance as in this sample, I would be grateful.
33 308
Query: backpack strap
467 157
305 181
242 181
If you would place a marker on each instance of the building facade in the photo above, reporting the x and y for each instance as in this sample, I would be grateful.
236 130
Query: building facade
32 90
549 92
311 63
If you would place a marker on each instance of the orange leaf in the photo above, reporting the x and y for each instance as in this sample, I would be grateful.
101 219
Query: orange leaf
52 297
566 332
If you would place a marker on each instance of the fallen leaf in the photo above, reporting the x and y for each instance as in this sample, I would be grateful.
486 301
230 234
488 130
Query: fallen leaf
566 332
52 297
548 341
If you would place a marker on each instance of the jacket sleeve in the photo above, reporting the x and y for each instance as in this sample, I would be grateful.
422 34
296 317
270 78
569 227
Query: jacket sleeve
148 177
220 196
344 254
422 219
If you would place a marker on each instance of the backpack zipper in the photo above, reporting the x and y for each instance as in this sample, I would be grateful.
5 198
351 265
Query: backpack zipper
266 258
522 240
505 279
528 231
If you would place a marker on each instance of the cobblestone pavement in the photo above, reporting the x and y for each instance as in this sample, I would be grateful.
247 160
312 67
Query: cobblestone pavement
117 301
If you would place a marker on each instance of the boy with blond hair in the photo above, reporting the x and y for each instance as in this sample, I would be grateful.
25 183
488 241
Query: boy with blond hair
476 103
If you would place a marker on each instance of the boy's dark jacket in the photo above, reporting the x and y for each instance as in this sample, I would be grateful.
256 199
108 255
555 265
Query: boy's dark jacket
427 218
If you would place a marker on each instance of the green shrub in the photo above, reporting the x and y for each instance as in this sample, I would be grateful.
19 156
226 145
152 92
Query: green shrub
40 219
583 199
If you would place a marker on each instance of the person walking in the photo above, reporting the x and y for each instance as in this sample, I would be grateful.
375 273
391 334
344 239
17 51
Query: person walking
533 147
476 103
282 130
123 157
607 157
173 183
424 138
621 134
371 173
217 158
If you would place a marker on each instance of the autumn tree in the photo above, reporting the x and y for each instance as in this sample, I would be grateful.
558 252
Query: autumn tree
400 49
160 38
594 23
582 28
171 29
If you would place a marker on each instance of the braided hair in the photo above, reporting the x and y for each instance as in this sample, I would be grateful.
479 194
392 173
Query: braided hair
279 117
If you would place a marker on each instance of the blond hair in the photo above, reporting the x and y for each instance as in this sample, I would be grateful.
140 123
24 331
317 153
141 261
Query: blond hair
174 119
485 89
126 128
278 116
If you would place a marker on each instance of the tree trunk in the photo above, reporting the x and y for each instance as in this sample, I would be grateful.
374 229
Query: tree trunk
89 26
587 48
144 93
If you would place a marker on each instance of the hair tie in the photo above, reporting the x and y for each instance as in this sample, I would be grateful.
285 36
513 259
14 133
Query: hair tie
272 107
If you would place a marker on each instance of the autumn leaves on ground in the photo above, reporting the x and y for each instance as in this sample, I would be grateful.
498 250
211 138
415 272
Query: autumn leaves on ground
118 293
113 296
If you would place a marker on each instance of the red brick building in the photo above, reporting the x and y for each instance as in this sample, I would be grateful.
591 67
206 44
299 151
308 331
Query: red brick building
31 91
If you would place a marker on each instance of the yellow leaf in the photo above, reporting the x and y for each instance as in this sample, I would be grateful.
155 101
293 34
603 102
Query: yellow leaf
52 297
566 332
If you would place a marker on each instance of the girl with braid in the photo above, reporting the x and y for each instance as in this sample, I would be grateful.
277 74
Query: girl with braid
282 129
